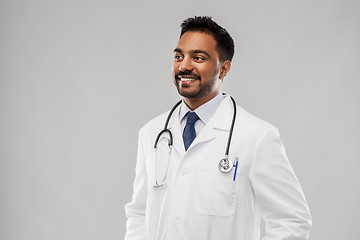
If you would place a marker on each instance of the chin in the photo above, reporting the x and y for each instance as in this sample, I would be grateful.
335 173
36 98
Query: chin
189 94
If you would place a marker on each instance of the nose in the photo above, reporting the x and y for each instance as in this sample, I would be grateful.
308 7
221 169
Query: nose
186 65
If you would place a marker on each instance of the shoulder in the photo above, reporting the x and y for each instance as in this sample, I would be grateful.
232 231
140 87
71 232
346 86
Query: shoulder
252 125
245 119
249 119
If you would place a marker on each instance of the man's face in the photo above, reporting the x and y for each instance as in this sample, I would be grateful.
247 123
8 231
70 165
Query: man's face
196 66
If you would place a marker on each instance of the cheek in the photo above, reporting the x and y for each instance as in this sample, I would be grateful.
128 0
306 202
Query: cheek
208 71
175 68
202 69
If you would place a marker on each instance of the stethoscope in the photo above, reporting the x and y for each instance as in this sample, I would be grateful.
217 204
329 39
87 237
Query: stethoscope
225 164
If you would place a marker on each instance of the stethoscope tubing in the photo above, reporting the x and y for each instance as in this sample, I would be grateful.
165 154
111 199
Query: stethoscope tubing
231 128
166 130
225 164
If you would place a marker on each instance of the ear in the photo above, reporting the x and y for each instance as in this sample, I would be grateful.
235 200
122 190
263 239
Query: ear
224 69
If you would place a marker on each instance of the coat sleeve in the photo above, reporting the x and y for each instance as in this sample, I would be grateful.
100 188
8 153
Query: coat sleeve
135 210
278 194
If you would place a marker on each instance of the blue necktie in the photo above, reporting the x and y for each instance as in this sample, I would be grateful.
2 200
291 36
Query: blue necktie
189 133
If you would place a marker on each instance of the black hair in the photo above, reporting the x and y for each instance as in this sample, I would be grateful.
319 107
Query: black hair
224 42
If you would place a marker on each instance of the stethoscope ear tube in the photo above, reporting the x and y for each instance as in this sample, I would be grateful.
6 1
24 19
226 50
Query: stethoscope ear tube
166 126
231 128
159 135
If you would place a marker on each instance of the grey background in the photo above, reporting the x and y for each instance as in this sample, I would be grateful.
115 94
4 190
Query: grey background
79 78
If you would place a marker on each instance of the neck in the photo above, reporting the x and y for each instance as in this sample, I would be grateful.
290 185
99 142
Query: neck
194 103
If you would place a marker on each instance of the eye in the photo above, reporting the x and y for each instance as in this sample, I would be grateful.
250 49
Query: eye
199 58
178 58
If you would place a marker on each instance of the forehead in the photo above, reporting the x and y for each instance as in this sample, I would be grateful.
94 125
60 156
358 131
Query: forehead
195 40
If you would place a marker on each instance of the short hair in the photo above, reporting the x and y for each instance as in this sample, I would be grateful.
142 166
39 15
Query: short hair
224 42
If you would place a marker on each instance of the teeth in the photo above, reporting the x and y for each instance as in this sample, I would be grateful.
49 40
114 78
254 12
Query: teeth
187 79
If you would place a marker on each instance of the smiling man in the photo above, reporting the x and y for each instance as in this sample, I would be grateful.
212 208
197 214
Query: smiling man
198 68
214 171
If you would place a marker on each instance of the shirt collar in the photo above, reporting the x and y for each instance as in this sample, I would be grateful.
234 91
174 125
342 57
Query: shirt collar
205 111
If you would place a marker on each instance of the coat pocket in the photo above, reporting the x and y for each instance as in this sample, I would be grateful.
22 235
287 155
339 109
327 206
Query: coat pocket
216 192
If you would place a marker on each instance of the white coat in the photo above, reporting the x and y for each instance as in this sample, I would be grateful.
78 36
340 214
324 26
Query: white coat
201 203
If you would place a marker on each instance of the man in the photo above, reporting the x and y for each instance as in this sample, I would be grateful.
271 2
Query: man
189 194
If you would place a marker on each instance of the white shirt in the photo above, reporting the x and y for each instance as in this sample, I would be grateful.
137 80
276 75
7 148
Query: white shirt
204 112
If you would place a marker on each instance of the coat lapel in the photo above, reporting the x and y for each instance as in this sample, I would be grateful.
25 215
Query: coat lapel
220 121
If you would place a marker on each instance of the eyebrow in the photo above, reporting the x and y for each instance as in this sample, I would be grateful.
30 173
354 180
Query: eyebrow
193 51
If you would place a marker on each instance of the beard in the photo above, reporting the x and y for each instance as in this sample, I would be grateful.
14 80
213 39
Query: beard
194 90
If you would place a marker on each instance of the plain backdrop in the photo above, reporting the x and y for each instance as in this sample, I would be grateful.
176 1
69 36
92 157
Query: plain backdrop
79 78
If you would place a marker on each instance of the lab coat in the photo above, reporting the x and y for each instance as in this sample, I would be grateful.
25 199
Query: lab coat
200 202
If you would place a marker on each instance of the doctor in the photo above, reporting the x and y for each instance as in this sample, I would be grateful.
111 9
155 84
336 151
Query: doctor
180 191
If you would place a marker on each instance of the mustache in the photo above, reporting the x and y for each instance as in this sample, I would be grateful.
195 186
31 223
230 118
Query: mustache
187 73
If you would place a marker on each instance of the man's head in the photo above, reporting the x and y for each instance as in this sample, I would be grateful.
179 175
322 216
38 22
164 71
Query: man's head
202 59
224 42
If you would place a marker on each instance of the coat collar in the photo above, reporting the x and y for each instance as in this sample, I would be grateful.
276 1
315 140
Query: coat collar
205 112
220 121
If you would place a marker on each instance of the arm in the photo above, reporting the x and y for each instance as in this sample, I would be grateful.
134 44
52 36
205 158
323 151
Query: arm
278 194
135 210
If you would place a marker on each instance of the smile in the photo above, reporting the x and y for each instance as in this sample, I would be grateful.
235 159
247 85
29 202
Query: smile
187 79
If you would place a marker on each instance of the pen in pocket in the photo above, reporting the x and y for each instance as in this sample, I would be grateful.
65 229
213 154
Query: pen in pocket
236 166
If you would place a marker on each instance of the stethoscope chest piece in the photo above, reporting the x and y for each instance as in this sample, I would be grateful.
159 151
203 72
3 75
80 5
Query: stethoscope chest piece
225 165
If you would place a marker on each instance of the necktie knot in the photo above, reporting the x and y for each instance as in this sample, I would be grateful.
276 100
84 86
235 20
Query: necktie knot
192 117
